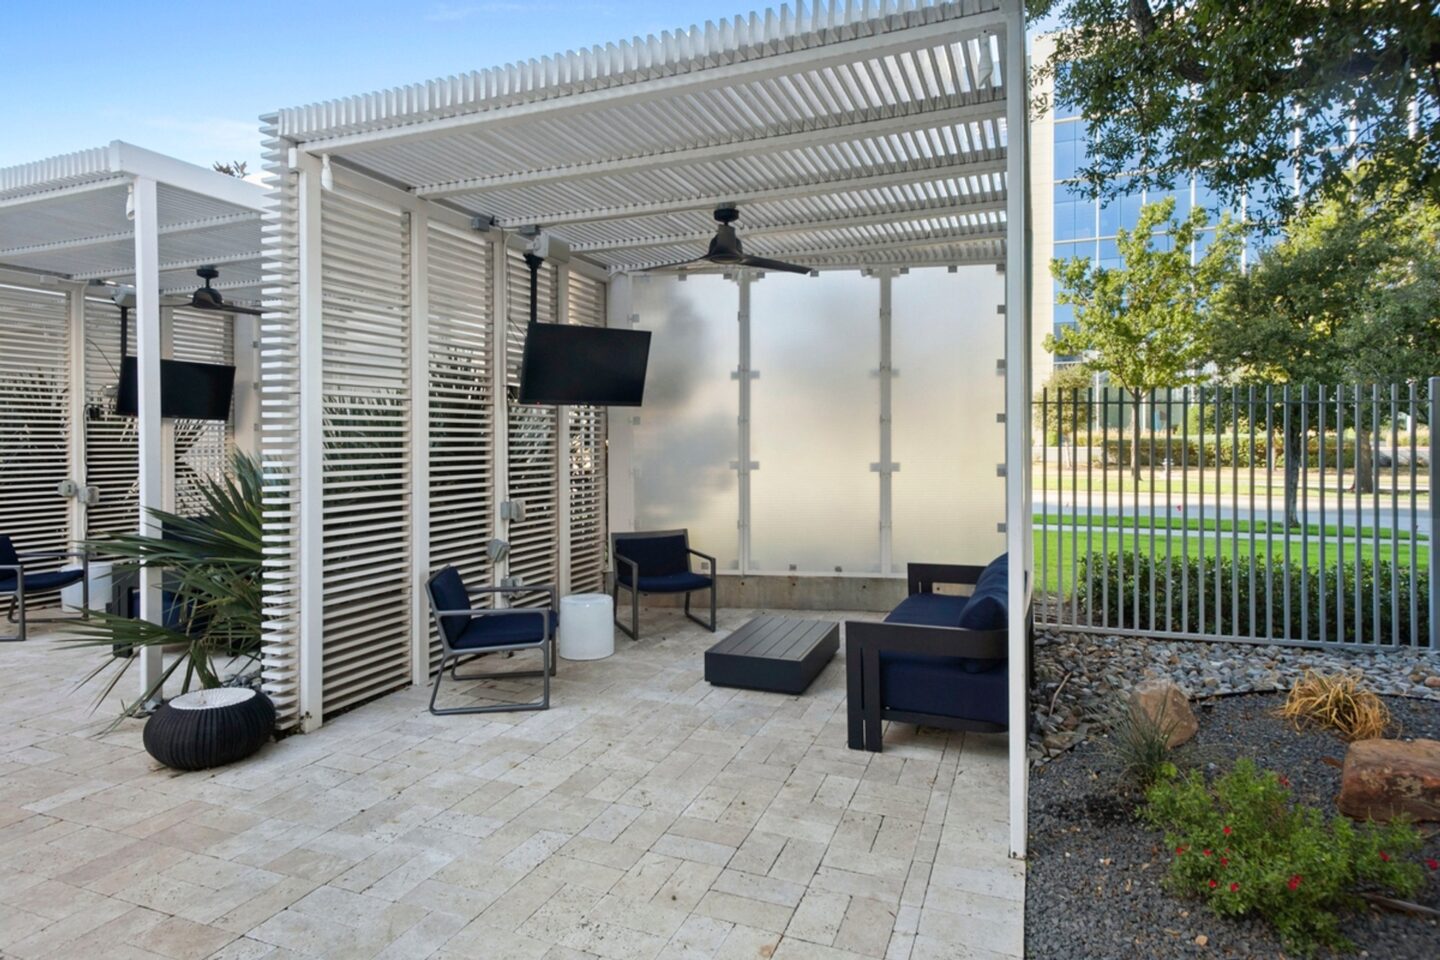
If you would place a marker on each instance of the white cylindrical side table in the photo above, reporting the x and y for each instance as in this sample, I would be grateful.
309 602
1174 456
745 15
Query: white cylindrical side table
587 626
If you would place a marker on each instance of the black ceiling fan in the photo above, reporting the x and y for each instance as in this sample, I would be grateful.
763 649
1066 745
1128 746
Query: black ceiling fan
208 298
726 251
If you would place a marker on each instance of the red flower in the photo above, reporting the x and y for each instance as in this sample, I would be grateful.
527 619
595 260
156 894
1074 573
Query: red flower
1234 887
1384 856
1224 862
1213 884
1295 882
1433 864
1285 782
1179 851
1206 851
1226 831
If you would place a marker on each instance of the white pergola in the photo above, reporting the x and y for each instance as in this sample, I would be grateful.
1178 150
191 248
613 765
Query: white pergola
853 135
80 224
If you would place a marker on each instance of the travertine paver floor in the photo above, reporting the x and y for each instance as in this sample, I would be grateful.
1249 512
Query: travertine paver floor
645 815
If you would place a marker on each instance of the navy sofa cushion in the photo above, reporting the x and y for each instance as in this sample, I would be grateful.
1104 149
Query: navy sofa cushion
40 582
447 592
497 629
656 556
672 583
989 603
8 556
942 686
929 610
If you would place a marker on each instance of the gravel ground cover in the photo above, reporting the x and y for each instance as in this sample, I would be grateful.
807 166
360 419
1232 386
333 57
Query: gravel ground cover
1080 677
1093 876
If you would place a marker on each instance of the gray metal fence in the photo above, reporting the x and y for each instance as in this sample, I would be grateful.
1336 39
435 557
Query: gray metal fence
1290 514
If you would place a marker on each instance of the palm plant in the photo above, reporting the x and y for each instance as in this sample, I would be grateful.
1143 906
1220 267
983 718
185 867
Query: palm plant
212 566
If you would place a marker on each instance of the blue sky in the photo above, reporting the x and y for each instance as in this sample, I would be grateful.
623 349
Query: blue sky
196 78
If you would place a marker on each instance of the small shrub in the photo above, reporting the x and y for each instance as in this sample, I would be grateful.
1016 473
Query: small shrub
1339 702
1139 746
1242 847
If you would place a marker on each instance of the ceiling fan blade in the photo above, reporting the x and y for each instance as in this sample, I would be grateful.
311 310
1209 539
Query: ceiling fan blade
761 263
222 306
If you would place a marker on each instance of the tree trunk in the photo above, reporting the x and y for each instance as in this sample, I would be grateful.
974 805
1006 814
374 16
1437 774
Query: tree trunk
1364 479
1294 457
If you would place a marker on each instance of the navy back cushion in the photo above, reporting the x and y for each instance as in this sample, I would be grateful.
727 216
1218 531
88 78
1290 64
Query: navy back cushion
447 592
988 608
657 556
8 556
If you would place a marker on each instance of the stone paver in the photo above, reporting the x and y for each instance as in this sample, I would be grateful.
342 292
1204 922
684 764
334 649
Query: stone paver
645 815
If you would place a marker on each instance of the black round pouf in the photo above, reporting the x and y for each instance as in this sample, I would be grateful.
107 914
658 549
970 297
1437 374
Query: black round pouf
209 728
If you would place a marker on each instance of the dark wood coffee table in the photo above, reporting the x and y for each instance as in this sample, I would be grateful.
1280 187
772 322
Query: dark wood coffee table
778 654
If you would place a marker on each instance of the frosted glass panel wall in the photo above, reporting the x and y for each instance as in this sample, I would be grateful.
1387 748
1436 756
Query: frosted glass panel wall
814 504
946 338
687 435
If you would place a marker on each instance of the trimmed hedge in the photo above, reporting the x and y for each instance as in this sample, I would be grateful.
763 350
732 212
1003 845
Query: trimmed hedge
1103 580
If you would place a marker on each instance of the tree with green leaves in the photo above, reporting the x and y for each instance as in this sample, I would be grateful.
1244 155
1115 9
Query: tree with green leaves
1142 322
1252 94
1350 294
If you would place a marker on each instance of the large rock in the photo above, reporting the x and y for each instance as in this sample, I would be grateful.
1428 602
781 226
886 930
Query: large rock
1164 704
1384 778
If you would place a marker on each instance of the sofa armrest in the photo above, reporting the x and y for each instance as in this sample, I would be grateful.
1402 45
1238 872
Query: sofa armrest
922 577
866 635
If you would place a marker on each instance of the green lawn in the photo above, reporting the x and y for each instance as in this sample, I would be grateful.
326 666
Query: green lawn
1260 528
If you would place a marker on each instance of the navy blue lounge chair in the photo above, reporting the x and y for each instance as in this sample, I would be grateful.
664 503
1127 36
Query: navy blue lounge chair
468 631
658 561
22 585
939 660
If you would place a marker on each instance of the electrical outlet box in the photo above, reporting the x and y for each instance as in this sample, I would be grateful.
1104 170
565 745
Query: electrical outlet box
90 495
68 488
497 550
512 510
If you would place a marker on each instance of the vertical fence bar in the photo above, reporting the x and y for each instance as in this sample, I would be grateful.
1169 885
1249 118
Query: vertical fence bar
1234 511
1434 425
1414 411
1151 558
1105 507
1090 503
1169 543
1219 505
1074 531
1250 453
1200 530
1270 514
1289 444
1185 515
1320 581
1375 625
1358 482
1045 601
1395 515
1138 409
1339 513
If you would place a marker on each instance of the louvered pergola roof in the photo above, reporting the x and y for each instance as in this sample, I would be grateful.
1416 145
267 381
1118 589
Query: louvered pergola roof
65 217
849 133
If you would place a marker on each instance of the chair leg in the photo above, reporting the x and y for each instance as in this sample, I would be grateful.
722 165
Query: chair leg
634 627
854 698
542 704
870 681
17 603
708 626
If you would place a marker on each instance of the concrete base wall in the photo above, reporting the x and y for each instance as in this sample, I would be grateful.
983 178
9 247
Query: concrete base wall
877 594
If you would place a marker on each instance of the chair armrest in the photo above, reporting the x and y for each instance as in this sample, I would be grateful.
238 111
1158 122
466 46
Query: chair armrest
922 577
634 568
521 588
928 641
53 553
703 556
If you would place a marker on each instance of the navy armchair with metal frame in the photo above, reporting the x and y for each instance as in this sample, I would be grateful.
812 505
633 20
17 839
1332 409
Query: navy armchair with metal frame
937 660
658 561
467 632
22 585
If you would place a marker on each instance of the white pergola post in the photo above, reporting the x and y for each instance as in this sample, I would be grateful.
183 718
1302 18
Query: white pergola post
419 443
1017 420
311 484
886 465
500 411
744 464
75 436
148 347
620 427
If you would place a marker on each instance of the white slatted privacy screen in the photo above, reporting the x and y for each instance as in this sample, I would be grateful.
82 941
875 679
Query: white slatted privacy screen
462 423
111 458
365 292
202 447
585 305
34 417
534 475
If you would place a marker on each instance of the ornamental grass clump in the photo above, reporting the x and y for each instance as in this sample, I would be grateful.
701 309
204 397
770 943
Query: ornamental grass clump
1243 847
1339 702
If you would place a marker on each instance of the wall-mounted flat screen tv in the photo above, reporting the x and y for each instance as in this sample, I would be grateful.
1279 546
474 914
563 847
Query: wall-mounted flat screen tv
188 391
584 365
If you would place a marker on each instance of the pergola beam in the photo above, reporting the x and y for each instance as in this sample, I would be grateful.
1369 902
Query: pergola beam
819 57
963 206
853 127
78 243
904 176
192 263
